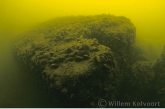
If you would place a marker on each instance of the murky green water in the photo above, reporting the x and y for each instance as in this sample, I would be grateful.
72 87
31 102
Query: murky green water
17 88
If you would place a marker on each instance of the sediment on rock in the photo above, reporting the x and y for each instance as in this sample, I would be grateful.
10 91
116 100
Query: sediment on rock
82 59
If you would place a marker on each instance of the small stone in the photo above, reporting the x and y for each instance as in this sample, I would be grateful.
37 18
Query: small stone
39 57
84 47
58 83
43 62
69 50
86 56
54 66
51 54
97 59
94 49
64 90
81 53
78 58
69 59
51 61
58 59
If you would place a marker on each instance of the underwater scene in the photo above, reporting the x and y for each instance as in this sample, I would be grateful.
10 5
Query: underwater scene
82 54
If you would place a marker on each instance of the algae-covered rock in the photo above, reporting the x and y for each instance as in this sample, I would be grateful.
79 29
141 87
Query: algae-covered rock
78 58
138 83
159 81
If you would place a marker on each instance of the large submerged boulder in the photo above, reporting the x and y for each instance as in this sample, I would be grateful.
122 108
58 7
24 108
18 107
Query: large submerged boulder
78 59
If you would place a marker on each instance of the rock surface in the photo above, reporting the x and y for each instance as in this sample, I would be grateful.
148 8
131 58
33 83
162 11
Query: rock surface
159 81
82 59
74 57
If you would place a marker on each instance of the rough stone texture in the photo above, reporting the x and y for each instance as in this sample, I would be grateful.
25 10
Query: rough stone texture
137 83
81 59
159 81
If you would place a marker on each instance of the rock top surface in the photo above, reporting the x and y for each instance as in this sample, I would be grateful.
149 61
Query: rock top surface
82 59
